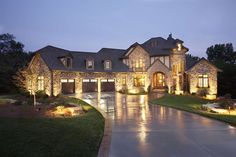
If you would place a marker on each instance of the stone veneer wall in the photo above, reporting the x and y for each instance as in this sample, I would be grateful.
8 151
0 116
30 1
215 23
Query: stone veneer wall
175 58
139 53
158 66
39 68
203 67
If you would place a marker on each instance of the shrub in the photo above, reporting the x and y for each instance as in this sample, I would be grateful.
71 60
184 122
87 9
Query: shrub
41 94
202 92
124 90
24 93
227 103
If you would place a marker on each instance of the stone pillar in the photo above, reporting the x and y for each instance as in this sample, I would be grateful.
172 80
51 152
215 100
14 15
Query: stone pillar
99 84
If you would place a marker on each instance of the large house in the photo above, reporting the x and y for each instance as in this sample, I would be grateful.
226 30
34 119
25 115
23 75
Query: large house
156 65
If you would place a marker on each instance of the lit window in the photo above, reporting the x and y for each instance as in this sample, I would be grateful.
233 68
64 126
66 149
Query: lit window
63 80
103 80
107 65
71 80
179 47
40 83
85 80
139 63
111 80
90 64
123 81
139 81
203 81
93 80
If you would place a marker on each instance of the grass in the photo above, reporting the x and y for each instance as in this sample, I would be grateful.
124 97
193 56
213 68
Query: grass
52 137
192 104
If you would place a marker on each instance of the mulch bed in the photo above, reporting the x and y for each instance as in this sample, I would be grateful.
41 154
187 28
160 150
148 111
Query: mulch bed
29 111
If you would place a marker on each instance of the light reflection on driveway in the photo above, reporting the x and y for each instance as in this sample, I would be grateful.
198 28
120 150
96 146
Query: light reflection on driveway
143 130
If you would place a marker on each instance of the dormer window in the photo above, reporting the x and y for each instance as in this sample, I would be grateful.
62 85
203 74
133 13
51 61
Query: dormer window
90 64
67 61
107 65
179 46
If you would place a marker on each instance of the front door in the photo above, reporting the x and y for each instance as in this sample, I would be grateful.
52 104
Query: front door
158 80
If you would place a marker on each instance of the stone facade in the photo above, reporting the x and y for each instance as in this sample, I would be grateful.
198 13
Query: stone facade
38 68
144 71
203 67
158 66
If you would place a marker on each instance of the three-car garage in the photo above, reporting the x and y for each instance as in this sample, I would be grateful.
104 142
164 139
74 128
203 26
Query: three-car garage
88 85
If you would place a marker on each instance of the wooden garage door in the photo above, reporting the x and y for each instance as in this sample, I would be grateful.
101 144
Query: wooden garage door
90 85
67 86
107 85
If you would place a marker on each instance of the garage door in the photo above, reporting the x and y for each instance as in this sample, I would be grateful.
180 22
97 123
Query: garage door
107 85
67 86
90 85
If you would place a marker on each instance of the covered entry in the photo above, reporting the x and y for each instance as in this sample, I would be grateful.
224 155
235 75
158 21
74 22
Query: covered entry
90 85
67 86
158 80
107 85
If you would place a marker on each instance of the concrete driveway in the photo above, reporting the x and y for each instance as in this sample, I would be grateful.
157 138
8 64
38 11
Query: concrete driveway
143 130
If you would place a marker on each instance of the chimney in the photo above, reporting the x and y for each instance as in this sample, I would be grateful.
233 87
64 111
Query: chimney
170 36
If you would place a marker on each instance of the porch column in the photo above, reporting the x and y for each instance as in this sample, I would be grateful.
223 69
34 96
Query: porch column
99 84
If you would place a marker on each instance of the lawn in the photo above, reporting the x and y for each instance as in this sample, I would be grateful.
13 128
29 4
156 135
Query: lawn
192 104
52 137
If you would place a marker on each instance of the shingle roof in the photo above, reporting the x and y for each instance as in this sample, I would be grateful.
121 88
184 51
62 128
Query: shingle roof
192 63
155 47
159 46
52 54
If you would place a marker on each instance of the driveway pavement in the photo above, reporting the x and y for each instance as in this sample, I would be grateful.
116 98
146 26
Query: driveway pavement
143 130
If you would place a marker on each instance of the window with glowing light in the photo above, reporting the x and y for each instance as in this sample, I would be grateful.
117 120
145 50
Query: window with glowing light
203 81
138 64
158 80
179 47
123 80
40 83
139 81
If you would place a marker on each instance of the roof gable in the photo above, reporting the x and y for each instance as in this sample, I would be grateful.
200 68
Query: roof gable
203 60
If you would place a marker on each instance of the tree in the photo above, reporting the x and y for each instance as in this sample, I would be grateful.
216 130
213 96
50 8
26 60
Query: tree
224 57
12 58
222 52
195 58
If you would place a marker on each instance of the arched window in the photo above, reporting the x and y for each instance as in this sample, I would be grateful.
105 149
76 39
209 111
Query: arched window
158 80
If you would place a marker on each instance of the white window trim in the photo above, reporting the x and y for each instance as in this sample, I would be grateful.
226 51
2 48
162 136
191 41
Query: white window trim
92 61
109 63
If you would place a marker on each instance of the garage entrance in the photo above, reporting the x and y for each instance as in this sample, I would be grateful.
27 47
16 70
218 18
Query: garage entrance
90 85
107 85
67 86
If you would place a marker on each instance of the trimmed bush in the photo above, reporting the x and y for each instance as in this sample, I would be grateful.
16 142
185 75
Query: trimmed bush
41 94
202 92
